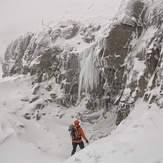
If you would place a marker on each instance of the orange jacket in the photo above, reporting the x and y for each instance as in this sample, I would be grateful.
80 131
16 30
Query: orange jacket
80 135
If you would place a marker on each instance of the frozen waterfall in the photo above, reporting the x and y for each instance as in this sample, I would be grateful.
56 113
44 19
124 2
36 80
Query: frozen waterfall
89 76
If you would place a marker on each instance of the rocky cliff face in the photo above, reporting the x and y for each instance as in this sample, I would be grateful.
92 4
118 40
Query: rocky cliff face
108 66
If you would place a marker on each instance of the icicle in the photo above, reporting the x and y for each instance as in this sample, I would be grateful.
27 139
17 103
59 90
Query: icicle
89 76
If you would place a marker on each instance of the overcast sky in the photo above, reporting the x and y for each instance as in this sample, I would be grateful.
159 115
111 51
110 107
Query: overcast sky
20 16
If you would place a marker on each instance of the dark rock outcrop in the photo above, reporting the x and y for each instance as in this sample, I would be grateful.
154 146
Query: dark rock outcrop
115 70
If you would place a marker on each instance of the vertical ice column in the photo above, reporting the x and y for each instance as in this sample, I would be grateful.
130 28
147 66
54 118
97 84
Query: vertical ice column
89 76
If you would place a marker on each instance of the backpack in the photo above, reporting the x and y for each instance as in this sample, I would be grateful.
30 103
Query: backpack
74 133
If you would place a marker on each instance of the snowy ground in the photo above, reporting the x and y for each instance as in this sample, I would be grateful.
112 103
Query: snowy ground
139 138
46 140
24 140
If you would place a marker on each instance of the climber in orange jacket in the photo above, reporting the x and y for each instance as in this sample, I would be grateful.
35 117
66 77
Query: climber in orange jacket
77 134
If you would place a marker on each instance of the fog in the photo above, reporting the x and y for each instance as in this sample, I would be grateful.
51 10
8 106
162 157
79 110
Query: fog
20 16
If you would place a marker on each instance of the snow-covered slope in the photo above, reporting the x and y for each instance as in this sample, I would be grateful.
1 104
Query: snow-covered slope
23 140
44 137
137 139
15 144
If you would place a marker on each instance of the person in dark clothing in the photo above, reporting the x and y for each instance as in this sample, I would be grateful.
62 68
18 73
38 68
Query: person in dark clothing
77 134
